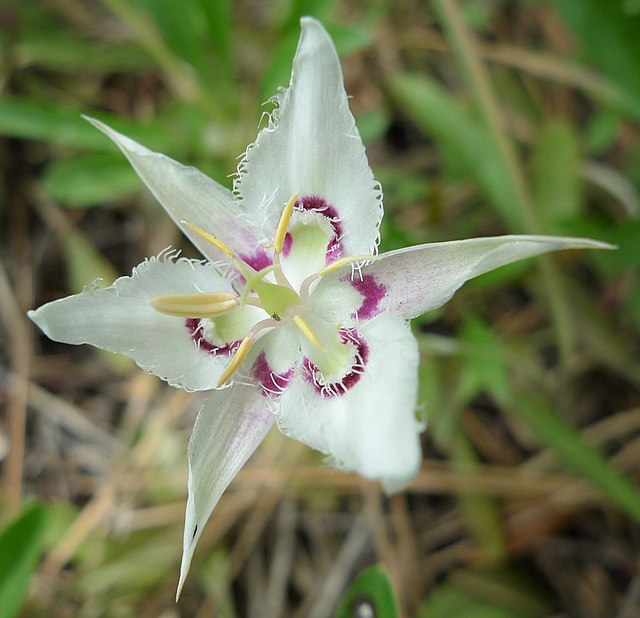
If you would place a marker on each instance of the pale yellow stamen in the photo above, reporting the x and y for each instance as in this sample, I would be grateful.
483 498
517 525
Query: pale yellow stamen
209 305
216 242
352 259
238 358
283 224
307 332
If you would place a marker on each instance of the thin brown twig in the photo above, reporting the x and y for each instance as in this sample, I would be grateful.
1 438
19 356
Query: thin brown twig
16 412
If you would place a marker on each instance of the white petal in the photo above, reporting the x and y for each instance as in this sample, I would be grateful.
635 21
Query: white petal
188 195
230 426
371 428
120 319
312 147
417 279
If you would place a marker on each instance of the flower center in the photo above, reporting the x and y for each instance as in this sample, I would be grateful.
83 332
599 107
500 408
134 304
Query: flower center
316 229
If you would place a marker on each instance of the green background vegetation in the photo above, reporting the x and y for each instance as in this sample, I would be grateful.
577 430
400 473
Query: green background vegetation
481 117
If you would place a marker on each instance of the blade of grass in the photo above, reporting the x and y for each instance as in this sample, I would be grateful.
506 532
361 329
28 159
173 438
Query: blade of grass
370 594
479 82
556 175
59 124
576 454
20 545
179 74
72 182
461 136
480 510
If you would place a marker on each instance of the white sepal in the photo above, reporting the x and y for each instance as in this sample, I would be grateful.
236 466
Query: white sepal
188 195
229 427
312 147
370 429
421 278
121 318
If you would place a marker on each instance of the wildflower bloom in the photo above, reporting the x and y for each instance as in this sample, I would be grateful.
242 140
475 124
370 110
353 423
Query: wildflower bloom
292 318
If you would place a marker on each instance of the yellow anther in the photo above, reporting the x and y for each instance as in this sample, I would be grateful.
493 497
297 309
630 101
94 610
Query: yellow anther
283 224
307 332
352 259
216 242
196 305
238 358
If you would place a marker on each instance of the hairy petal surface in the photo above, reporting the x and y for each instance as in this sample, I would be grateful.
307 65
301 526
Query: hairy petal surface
370 429
228 429
417 279
120 319
188 195
312 147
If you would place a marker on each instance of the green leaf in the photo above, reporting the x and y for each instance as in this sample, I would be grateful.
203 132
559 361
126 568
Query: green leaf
20 546
87 180
218 16
576 454
85 265
451 601
50 123
63 125
62 51
608 36
504 593
183 26
279 69
373 124
372 590
480 511
556 179
484 363
351 39
602 131
466 144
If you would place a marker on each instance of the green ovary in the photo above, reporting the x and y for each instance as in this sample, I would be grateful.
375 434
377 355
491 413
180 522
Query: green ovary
275 299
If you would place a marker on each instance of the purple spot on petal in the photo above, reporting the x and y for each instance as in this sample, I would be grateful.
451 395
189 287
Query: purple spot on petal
258 260
351 376
372 291
272 383
196 326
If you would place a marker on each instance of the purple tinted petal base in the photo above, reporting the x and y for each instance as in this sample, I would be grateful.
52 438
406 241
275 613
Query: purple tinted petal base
258 260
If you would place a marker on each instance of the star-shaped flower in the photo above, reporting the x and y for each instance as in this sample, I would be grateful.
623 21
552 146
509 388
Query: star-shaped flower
292 318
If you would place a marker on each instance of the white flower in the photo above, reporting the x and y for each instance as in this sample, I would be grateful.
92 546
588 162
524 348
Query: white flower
292 303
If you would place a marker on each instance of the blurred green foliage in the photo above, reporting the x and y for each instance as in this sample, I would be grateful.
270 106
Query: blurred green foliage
20 546
188 78
370 594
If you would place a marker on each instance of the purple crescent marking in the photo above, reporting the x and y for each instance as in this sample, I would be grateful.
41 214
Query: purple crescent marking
195 326
315 203
372 291
272 383
313 375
